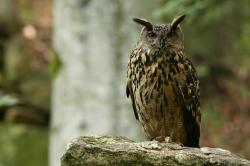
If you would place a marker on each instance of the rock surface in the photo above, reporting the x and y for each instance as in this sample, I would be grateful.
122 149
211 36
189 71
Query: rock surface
111 150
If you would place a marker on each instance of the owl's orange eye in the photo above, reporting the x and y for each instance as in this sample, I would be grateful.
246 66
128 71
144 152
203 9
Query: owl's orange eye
151 34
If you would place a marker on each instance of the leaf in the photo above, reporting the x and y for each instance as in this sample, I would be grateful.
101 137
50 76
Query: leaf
7 101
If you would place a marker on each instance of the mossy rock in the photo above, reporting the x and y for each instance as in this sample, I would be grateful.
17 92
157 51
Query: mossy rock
112 150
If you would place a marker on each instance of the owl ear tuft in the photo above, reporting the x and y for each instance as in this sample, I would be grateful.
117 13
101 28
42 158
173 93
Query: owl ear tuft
176 21
143 22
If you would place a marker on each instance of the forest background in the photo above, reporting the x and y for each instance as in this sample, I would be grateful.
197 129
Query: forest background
42 42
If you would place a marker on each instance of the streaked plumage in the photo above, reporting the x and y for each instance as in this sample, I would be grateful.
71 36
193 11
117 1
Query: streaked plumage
163 85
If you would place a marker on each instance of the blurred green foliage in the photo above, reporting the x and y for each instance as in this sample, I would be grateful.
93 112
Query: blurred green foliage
7 101
55 65
211 114
214 29
23 145
24 81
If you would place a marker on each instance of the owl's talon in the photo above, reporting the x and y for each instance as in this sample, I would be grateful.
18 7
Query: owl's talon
159 139
180 144
168 139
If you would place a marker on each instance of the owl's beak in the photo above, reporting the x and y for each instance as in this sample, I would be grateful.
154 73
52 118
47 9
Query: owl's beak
176 21
143 22
162 42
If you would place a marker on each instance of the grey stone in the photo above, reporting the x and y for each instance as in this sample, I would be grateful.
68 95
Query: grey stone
112 150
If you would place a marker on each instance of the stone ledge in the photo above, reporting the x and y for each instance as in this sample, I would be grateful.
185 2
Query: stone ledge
112 150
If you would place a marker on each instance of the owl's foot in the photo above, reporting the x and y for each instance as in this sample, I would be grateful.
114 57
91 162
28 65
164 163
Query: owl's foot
180 144
162 139
168 139
159 139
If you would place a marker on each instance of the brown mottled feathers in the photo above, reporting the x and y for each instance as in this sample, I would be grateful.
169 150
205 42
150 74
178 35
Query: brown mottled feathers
163 85
165 95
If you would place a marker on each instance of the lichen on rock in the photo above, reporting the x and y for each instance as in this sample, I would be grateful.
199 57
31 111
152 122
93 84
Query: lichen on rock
114 150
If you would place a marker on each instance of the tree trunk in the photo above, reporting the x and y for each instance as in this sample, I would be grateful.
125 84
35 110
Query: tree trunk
93 40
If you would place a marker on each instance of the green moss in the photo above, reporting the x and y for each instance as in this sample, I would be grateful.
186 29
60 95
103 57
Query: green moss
186 159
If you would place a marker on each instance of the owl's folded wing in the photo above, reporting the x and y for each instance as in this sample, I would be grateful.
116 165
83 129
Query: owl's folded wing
130 93
188 95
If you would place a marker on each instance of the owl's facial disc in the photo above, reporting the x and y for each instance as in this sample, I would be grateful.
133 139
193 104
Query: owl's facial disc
145 23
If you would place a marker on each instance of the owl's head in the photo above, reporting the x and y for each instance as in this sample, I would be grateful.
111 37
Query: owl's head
161 36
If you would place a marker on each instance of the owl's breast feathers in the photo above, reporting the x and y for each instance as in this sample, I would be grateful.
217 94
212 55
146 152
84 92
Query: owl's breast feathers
164 91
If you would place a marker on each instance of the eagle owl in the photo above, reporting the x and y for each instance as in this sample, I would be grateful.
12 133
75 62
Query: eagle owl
163 85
